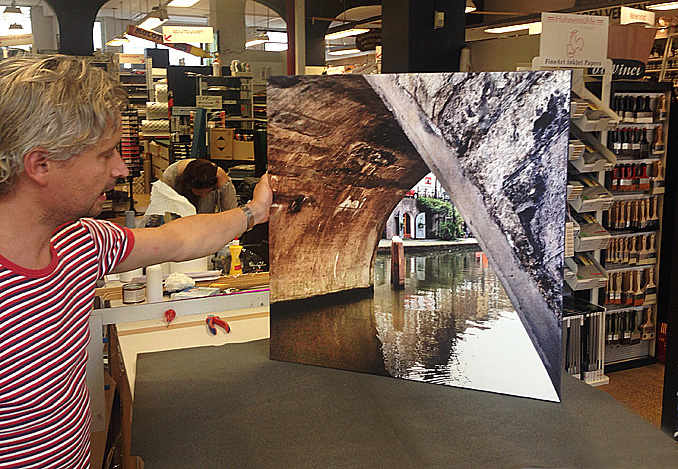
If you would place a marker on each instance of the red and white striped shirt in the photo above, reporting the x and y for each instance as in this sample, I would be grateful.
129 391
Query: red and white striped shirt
44 332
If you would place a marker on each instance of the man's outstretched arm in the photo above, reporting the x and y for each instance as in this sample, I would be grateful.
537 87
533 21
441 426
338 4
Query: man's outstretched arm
195 236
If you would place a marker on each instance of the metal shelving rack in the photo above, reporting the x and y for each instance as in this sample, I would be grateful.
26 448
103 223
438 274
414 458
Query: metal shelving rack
591 119
627 355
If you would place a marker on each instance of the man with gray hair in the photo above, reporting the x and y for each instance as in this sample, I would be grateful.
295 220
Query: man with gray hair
60 127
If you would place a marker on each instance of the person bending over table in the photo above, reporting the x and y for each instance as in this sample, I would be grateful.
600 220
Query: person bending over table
60 126
203 183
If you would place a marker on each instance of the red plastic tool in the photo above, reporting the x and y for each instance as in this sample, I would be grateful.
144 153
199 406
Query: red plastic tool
213 321
170 314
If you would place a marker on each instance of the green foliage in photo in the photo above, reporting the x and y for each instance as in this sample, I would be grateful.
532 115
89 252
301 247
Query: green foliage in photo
450 225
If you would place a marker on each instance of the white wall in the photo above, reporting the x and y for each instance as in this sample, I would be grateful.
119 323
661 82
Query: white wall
503 54
45 26
228 17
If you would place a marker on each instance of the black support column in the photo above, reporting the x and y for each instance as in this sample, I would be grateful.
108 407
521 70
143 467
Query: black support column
410 42
76 20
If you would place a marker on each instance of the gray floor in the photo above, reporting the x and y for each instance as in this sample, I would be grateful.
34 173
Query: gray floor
215 407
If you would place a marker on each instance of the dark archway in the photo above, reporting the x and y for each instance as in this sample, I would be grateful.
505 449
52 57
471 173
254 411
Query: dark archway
76 20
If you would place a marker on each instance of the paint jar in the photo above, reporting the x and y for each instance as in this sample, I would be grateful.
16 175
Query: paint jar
236 265
133 293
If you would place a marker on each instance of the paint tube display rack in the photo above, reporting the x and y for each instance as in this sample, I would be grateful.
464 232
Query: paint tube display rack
598 116
595 157
576 149
588 273
574 189
593 197
591 237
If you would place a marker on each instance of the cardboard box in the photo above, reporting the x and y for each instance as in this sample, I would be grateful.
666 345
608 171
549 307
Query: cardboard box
221 144
243 150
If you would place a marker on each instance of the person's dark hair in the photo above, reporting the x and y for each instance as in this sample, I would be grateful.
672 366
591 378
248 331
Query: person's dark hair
198 174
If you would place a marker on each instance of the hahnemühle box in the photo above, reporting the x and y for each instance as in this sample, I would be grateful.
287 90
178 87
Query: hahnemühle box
243 150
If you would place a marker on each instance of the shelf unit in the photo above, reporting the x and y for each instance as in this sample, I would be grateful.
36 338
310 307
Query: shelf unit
620 189
635 223
589 158
662 66
232 112
237 105
156 123
134 83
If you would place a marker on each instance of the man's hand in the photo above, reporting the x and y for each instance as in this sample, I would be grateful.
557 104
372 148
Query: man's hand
261 200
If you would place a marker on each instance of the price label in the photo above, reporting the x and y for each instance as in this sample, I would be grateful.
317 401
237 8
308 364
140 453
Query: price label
190 34
131 58
208 102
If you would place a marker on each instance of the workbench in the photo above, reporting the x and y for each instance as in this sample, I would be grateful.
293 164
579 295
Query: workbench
230 406
134 328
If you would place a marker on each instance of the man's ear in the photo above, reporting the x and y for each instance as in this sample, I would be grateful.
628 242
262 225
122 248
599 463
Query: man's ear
37 166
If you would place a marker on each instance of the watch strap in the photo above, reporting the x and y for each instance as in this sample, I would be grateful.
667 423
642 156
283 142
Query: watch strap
250 216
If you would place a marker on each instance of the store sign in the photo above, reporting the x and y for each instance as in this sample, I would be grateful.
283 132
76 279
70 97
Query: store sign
573 40
131 58
632 15
368 41
614 13
16 40
172 34
152 36
623 69
208 102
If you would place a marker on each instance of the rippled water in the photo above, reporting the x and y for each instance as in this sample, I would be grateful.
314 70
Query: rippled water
452 324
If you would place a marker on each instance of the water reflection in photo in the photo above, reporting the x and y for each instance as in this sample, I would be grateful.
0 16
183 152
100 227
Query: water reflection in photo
452 324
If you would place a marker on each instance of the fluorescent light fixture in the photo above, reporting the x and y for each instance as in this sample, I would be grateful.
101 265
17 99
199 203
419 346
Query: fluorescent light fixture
154 19
535 28
182 3
663 6
275 46
346 33
276 36
511 28
13 14
151 23
470 6
16 26
346 51
118 41
260 39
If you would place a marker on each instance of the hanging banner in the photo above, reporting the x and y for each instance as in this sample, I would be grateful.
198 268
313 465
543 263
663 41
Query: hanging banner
173 34
613 12
152 36
633 15
573 40
16 40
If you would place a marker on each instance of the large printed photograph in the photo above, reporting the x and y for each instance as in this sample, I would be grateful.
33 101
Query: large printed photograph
345 156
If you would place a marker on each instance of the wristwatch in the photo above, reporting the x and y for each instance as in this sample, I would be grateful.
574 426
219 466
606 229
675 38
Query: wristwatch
250 216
